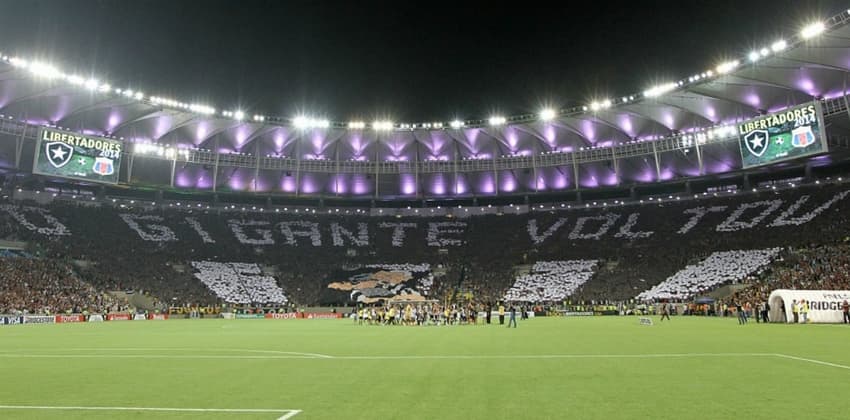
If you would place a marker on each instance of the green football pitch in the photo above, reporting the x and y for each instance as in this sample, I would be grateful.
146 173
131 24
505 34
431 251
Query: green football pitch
548 368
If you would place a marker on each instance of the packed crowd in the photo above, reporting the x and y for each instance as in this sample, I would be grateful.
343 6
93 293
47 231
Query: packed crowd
634 247
825 267
39 286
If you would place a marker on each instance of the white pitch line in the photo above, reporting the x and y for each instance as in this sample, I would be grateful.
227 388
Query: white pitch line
385 357
819 362
288 413
295 353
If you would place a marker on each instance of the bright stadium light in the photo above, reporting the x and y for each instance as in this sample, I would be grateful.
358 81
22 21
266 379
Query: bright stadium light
44 70
322 123
79 81
19 62
779 45
91 84
239 115
301 122
547 114
139 96
457 124
659 90
728 66
382 125
812 30
754 56
497 120
356 125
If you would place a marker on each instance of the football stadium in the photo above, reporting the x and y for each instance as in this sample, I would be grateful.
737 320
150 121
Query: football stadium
678 250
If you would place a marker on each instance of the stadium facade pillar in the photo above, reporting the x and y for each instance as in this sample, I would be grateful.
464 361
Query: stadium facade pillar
747 181
807 173
173 169
417 191
19 147
377 162
215 166
130 168
632 193
616 165
495 176
575 171
158 197
578 197
657 162
256 165
701 167
688 189
298 164
534 172
455 169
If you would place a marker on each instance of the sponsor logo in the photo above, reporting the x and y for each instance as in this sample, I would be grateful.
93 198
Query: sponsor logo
578 313
11 320
58 154
39 320
69 318
313 315
119 317
250 316
291 315
158 317
95 318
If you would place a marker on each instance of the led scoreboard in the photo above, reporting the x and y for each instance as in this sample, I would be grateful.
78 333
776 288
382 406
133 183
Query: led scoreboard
789 134
78 156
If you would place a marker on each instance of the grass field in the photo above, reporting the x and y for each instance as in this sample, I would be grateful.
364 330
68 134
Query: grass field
548 368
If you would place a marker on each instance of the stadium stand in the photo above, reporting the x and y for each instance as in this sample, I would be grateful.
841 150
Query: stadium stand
635 246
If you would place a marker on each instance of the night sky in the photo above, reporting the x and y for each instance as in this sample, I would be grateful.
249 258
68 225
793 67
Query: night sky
400 60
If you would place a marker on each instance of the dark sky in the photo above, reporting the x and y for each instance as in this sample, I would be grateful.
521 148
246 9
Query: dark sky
404 60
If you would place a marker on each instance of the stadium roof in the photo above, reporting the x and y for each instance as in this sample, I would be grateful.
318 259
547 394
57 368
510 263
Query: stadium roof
699 109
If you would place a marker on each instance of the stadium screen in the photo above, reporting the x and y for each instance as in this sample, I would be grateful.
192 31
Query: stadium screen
71 155
786 135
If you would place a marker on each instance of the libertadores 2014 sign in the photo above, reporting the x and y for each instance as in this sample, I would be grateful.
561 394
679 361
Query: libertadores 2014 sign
793 133
72 155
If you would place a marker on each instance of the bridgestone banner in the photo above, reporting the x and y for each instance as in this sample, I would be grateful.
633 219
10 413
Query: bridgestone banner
39 319
119 317
158 317
824 305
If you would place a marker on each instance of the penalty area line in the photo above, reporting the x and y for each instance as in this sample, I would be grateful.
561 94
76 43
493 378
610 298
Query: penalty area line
286 413
817 362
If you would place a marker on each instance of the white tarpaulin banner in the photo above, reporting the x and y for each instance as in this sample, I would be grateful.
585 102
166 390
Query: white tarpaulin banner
824 305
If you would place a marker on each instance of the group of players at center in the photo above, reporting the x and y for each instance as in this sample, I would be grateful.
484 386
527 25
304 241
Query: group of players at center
432 314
